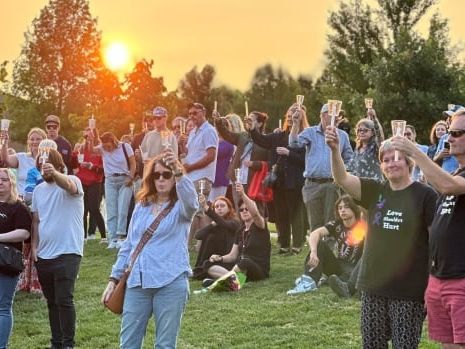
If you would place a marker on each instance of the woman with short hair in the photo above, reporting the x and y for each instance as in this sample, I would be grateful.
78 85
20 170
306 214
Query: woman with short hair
394 268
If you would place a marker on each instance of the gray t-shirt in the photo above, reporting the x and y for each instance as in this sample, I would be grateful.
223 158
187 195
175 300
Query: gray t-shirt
61 228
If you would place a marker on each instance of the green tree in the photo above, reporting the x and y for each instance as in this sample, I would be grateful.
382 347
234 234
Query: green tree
143 91
61 54
196 86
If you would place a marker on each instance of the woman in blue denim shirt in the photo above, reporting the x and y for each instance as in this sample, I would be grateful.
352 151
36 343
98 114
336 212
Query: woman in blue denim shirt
158 283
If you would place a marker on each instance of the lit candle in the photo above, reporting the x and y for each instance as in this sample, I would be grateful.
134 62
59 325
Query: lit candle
215 106
246 108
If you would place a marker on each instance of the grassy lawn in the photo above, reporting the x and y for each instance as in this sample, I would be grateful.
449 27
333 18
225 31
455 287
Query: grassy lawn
261 315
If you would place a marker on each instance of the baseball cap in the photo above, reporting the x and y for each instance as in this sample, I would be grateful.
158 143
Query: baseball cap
159 112
52 118
196 106
324 109
455 108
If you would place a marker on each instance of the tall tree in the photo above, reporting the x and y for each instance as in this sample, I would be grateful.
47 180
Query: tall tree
143 91
61 54
196 86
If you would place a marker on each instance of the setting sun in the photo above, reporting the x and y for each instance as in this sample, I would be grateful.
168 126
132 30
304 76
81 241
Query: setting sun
117 56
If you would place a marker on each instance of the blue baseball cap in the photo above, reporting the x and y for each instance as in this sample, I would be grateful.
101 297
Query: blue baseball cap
159 112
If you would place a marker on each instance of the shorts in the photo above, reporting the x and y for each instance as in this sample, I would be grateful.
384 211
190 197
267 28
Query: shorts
445 302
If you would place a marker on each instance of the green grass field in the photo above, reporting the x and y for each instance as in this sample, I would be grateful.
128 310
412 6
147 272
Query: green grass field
261 315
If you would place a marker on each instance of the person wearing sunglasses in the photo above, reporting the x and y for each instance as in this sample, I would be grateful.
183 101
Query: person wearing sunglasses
251 250
158 283
52 126
445 294
394 268
365 162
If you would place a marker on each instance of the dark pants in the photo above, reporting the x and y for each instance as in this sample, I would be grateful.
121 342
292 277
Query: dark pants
290 216
92 200
57 278
328 265
250 268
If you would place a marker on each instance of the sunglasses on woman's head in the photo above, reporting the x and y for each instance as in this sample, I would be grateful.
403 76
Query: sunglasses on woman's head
164 174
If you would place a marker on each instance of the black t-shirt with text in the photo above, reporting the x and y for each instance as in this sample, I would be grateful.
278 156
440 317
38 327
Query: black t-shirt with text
395 258
447 240
345 247
14 216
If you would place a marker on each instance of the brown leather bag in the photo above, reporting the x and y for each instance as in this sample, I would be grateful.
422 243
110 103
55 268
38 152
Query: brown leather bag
116 300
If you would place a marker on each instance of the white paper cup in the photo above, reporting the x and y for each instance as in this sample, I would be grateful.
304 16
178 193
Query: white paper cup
80 158
5 124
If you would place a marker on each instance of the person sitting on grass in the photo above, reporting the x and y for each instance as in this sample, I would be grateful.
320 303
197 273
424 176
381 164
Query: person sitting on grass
338 261
217 237
252 248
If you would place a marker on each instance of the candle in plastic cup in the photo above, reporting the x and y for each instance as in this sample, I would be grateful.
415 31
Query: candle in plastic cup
80 158
215 106
92 123
398 129
237 174
280 124
165 139
369 103
183 127
202 186
246 108
450 106
332 107
132 127
338 108
5 124
300 100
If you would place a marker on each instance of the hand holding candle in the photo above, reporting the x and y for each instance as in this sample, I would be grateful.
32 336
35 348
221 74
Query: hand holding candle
237 174
398 129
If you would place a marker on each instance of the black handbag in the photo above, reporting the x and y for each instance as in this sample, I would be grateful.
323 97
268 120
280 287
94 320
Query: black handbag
11 260
271 178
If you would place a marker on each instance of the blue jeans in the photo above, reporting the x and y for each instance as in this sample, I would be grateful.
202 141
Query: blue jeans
166 304
117 199
7 293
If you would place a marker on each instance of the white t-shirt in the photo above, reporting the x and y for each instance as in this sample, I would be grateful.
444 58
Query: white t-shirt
61 228
115 161
25 163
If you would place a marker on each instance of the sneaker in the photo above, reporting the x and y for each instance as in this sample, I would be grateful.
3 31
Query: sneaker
306 284
91 237
119 243
103 240
207 282
297 281
323 281
338 286
112 244
296 250
284 250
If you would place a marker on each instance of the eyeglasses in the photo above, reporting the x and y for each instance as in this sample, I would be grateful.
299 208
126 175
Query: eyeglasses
363 130
194 113
407 133
51 127
164 174
243 209
456 133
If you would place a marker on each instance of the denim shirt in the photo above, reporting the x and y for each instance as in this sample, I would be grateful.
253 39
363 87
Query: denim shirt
318 153
165 256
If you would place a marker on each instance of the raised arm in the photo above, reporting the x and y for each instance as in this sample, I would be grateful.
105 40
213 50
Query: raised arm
348 182
251 206
441 180
62 180
10 161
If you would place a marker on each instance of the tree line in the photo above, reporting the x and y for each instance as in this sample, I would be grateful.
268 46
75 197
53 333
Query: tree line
373 51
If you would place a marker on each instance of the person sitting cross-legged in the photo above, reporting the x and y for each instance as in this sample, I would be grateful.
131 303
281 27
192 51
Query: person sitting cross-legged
252 247
338 261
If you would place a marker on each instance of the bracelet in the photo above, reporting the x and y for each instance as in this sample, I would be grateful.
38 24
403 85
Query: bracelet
114 280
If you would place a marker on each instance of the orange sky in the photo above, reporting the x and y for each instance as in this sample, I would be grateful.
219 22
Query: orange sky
234 36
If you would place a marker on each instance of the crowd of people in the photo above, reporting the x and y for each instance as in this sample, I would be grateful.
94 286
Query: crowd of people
383 217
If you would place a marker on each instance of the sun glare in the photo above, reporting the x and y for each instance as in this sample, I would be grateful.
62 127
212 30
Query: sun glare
117 56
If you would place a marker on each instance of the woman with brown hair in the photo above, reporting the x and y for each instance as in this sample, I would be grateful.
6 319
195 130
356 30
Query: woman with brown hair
158 283
288 165
218 236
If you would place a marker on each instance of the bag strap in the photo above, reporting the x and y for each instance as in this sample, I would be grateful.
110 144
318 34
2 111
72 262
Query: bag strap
126 155
148 235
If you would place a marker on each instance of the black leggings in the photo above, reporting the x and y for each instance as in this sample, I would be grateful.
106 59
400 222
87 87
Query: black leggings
92 199
252 269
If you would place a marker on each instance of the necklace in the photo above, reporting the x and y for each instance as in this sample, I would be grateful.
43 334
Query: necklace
158 207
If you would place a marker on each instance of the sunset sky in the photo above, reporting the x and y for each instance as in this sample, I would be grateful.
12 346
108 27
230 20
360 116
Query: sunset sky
234 36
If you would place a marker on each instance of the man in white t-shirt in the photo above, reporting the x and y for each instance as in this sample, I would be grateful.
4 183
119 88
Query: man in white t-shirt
57 245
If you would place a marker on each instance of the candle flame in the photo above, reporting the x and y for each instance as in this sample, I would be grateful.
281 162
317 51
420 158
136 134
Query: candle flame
357 233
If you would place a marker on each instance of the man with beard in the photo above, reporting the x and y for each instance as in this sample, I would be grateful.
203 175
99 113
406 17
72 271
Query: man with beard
57 245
